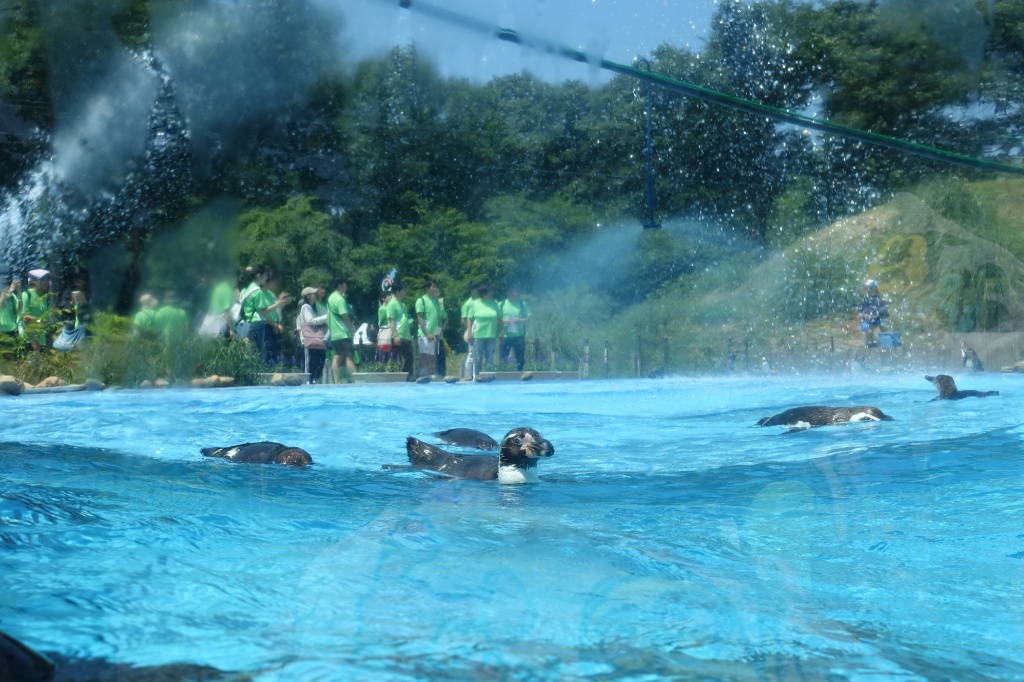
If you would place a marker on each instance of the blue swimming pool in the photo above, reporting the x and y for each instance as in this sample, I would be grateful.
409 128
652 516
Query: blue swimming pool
669 537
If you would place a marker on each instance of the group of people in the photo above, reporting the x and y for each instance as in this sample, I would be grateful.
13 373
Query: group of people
323 324
485 322
28 314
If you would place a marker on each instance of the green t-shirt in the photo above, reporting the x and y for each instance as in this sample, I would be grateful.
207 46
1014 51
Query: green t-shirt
382 316
37 306
337 308
9 314
468 306
221 298
398 312
485 316
33 304
511 310
252 300
267 299
171 321
433 314
144 319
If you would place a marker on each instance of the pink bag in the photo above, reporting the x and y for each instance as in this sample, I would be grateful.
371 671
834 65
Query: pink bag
313 336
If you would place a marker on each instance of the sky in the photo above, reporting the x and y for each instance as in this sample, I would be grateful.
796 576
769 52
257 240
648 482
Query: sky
618 30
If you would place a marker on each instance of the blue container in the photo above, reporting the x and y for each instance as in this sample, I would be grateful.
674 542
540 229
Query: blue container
889 340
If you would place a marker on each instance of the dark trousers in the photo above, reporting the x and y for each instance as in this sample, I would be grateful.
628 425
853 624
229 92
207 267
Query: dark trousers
442 364
316 358
271 346
517 344
405 352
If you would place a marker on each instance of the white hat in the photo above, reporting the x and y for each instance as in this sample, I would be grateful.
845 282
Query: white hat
38 273
871 284
308 290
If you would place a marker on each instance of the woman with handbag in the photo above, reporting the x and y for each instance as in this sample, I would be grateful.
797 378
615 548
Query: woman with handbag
313 332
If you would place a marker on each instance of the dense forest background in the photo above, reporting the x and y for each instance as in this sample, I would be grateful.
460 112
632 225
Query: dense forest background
257 140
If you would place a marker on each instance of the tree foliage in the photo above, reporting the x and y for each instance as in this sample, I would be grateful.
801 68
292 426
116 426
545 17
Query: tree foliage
354 168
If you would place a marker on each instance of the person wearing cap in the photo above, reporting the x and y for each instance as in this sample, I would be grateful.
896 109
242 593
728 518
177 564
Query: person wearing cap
313 332
35 307
10 306
143 320
341 329
873 309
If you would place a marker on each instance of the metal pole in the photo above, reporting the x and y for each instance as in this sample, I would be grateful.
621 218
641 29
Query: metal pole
649 224
606 358
585 373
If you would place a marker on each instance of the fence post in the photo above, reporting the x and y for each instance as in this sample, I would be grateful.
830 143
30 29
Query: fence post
585 372
639 356
664 340
746 355
606 358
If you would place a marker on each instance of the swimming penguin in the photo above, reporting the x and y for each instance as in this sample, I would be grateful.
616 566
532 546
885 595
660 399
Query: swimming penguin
261 453
516 461
948 391
19 663
820 415
471 438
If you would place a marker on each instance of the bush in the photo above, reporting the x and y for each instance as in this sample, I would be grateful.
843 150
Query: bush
117 355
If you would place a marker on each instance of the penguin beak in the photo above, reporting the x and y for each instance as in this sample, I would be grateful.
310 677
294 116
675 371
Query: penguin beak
537 446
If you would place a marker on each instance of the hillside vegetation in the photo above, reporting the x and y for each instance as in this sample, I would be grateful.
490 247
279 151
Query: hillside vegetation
948 257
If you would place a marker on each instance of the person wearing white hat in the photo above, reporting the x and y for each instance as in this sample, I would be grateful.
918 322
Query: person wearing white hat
35 307
873 309
312 324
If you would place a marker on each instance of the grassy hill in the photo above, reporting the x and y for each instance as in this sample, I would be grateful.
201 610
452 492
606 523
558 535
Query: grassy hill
949 258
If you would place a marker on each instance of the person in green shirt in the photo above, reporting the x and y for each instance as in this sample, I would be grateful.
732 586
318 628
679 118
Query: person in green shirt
485 319
474 294
143 320
10 306
431 317
171 320
35 307
341 329
256 309
273 303
217 323
399 323
383 341
515 313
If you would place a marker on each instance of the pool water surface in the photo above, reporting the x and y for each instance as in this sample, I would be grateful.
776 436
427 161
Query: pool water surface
668 536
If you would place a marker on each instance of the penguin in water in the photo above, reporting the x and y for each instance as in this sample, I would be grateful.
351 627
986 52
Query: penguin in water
948 390
470 438
520 450
799 418
261 453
